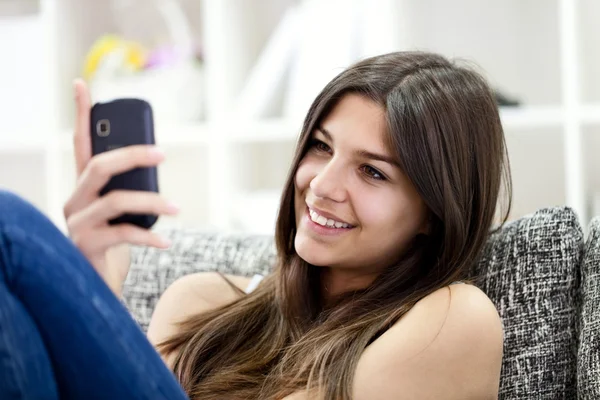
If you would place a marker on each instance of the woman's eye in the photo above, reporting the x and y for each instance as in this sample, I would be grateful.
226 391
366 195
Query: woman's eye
373 173
320 146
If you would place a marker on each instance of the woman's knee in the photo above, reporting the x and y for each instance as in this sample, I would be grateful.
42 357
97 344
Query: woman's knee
11 200
14 209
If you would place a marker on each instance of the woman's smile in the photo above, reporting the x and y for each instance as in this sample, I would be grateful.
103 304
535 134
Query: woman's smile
321 225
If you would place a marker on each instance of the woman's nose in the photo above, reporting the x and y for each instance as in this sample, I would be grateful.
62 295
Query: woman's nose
329 182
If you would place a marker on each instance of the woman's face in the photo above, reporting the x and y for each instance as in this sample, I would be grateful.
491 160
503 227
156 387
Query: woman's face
354 206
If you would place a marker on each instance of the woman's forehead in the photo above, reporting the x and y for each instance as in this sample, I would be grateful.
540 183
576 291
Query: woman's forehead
358 122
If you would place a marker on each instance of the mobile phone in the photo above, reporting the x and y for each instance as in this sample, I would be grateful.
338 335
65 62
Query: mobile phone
120 123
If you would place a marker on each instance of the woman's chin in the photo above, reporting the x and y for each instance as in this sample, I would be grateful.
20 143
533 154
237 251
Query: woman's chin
311 251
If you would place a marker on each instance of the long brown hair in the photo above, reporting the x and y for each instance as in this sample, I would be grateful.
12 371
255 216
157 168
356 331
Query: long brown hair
445 129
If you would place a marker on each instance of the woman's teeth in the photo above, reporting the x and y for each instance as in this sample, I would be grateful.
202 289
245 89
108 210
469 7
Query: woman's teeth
328 222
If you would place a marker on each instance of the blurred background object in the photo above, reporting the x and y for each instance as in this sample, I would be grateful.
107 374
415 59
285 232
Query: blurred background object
154 56
231 80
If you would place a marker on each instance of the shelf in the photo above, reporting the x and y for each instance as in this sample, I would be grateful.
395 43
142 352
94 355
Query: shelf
175 135
531 117
166 135
19 143
204 133
269 130
590 114
286 130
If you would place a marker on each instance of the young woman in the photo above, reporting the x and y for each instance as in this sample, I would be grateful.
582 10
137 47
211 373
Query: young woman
390 198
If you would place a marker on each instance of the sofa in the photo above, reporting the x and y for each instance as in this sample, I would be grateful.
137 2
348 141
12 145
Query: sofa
541 272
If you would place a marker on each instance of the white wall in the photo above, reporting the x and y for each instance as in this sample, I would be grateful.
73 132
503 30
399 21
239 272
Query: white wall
590 50
500 36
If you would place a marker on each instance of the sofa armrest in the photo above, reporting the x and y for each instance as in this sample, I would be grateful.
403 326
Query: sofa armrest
588 355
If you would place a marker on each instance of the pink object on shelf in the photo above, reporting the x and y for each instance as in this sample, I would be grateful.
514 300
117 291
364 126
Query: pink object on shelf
164 56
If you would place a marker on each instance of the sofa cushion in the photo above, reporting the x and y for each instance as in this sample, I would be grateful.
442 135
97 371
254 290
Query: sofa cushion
530 271
588 368
193 250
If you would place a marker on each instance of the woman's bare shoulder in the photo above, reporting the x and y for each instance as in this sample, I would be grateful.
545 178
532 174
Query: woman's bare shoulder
191 295
449 345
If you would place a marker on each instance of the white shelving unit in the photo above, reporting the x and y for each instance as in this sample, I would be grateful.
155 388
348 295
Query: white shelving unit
226 172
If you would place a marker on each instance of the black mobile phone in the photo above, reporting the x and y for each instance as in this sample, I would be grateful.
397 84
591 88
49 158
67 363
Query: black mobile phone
120 123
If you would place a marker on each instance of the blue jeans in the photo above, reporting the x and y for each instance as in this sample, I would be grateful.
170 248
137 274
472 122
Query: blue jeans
63 333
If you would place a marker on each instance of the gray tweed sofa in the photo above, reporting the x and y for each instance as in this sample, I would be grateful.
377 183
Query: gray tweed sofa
538 270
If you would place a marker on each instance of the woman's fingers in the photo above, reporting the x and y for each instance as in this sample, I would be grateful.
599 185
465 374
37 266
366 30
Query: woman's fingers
98 240
103 166
119 202
82 141
108 164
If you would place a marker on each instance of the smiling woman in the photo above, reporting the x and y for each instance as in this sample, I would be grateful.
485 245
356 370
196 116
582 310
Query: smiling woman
390 198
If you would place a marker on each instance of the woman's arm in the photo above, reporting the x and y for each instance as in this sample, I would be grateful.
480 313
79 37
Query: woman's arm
118 258
449 346
188 296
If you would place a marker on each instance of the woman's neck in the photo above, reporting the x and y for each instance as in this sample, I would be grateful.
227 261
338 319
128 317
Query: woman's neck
335 281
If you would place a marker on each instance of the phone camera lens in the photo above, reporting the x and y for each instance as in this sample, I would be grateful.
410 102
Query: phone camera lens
103 128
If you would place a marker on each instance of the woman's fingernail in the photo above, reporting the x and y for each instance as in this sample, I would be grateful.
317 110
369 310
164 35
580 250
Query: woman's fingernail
156 152
172 208
165 242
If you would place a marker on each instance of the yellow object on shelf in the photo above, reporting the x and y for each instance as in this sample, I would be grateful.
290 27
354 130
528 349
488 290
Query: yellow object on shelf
133 55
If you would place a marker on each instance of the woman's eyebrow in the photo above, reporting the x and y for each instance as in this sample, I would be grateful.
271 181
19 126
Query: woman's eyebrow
363 153
325 133
378 157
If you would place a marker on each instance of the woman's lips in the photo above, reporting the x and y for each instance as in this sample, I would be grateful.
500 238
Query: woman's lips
323 230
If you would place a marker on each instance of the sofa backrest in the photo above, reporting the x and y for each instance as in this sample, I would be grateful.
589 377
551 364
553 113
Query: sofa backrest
193 250
530 270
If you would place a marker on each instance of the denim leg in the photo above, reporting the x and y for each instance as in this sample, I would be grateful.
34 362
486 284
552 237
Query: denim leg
25 368
96 349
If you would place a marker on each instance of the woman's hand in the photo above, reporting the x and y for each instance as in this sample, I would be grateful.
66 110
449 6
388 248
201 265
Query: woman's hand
87 214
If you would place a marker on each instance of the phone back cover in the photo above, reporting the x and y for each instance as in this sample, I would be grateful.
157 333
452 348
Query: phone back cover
131 123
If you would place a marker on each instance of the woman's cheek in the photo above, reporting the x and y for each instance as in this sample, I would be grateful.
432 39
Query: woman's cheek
304 174
373 208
